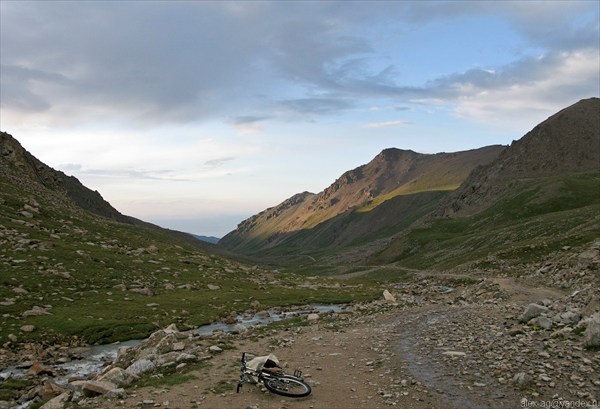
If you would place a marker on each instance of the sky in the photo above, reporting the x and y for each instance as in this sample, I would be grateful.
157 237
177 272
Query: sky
195 115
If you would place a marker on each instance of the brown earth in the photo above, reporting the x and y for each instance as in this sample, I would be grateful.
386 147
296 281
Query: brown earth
439 347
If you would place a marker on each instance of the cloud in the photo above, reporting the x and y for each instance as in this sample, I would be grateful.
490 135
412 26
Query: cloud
560 80
316 106
215 163
248 124
183 62
387 124
124 174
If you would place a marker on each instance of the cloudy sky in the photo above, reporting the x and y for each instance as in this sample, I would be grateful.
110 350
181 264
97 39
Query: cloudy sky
196 115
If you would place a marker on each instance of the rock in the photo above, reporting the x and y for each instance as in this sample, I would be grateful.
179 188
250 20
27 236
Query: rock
19 290
95 388
213 287
570 317
215 349
587 258
118 376
592 332
389 297
28 328
30 208
178 346
167 359
140 366
171 329
532 311
186 357
143 291
51 389
36 311
312 317
454 353
239 328
58 402
64 274
592 306
542 322
522 379
37 369
118 393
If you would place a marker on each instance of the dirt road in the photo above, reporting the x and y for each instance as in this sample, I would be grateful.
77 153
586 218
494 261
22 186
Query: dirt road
436 348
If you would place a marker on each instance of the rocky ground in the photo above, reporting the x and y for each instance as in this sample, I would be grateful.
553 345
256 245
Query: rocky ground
499 343
456 342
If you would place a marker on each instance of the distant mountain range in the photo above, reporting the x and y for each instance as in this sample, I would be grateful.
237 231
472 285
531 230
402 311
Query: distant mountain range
367 214
403 208
208 239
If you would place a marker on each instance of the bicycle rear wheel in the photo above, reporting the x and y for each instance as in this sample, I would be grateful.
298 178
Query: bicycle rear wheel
288 386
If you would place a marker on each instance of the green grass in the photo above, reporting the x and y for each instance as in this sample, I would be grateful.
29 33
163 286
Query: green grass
11 389
403 191
99 255
539 218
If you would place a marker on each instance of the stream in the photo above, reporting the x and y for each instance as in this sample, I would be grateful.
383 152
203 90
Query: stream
95 358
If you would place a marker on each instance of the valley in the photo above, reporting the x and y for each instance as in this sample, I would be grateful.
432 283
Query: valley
468 279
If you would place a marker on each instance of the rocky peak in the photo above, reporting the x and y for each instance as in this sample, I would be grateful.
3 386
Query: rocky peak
567 142
21 166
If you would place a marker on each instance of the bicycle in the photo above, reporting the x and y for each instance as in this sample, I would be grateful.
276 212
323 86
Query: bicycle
265 370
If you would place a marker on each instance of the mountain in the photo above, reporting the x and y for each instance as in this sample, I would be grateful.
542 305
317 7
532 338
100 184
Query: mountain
567 142
31 174
494 206
76 271
538 198
208 239
23 169
384 195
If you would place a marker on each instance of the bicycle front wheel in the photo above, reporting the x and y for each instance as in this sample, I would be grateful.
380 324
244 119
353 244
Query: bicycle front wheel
288 386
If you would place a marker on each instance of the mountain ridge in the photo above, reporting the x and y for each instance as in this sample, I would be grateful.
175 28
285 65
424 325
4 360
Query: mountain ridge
31 174
345 216
566 142
393 172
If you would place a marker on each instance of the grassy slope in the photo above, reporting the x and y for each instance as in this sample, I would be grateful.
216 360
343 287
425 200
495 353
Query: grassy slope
98 254
355 228
536 218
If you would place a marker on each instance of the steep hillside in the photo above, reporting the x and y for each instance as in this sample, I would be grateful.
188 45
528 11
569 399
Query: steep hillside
71 270
541 195
567 142
345 211
28 172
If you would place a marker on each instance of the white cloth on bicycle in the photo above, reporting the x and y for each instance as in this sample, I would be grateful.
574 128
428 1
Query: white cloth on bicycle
259 362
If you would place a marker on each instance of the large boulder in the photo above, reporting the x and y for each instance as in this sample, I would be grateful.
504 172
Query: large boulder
140 366
58 402
533 311
118 376
95 388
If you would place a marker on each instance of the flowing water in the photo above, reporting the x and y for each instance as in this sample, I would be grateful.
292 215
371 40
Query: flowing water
96 357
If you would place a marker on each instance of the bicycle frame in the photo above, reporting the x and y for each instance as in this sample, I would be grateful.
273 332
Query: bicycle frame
248 375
